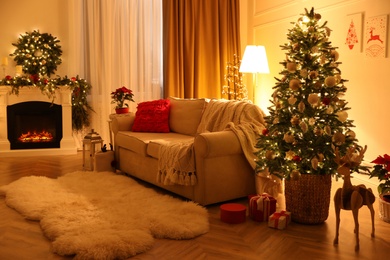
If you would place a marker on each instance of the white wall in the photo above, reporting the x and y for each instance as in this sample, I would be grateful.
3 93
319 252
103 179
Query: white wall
21 16
267 23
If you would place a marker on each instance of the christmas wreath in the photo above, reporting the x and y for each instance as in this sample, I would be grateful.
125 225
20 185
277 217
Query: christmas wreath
37 53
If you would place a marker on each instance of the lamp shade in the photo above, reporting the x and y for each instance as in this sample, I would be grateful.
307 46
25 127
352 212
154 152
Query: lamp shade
254 60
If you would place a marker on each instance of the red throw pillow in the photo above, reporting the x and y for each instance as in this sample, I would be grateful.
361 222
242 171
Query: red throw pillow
152 116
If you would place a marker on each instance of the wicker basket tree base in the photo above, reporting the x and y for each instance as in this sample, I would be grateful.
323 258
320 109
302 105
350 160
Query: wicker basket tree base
308 198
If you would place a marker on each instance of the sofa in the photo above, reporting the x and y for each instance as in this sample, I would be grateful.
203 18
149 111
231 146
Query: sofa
217 136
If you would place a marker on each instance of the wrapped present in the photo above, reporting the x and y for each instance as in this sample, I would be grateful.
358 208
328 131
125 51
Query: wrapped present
261 206
279 220
233 213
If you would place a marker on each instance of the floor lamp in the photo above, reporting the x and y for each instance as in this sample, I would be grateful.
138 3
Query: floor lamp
254 61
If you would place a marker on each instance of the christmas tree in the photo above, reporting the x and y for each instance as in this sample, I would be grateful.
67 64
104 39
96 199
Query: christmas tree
308 117
234 89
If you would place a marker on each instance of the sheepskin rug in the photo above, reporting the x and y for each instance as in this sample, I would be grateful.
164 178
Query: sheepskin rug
102 215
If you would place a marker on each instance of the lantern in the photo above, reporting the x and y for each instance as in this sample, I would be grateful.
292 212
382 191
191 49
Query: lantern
89 149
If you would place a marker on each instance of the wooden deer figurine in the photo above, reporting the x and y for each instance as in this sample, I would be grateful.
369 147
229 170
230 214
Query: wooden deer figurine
351 197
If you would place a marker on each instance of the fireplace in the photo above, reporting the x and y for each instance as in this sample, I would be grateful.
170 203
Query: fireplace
34 125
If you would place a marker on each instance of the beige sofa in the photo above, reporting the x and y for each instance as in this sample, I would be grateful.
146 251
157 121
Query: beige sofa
223 171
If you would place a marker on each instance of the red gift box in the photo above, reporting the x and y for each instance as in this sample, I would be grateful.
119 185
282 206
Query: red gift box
261 206
279 220
233 213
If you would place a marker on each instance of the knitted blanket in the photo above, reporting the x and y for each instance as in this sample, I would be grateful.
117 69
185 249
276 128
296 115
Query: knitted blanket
177 160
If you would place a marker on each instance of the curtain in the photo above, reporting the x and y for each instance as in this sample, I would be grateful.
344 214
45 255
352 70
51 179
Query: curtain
117 43
199 38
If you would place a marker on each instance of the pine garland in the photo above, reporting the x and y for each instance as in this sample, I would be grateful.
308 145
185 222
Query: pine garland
48 86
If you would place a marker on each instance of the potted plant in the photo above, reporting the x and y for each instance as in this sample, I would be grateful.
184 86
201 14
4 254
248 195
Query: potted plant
381 170
307 121
119 97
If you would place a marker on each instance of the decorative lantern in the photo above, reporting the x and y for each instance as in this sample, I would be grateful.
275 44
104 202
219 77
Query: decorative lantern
89 147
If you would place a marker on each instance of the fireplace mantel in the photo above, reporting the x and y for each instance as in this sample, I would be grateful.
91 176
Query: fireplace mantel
30 93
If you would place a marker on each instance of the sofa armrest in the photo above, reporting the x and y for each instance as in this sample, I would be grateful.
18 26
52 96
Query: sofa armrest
122 122
214 144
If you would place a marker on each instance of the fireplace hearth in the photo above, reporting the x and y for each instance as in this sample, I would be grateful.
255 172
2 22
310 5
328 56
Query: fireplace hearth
32 124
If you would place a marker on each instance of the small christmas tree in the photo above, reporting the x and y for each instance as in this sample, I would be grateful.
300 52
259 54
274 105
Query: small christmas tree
308 116
234 89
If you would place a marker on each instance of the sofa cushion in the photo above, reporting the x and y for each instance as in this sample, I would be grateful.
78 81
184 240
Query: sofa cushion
152 116
185 115
147 144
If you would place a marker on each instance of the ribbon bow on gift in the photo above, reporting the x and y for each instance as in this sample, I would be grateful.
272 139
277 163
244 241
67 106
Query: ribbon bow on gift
260 202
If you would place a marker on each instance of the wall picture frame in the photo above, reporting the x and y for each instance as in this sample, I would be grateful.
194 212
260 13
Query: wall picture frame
376 37
354 37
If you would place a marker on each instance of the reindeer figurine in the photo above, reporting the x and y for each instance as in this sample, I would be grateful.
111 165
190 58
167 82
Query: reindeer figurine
351 197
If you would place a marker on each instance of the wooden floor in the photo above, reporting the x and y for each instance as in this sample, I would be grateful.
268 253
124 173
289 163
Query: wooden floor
23 239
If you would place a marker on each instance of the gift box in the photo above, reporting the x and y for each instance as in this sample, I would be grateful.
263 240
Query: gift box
233 213
279 220
103 161
261 206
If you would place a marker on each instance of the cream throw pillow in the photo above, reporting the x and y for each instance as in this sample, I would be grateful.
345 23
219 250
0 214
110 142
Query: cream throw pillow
185 115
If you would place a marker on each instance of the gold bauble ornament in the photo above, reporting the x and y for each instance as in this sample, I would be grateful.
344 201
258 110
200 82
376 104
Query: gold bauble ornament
330 81
335 55
294 84
313 99
291 67
295 175
338 138
342 116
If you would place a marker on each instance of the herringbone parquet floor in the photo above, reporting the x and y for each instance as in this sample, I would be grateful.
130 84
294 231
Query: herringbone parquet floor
23 239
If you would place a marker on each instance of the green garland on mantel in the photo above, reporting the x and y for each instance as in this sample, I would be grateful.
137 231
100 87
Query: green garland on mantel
48 86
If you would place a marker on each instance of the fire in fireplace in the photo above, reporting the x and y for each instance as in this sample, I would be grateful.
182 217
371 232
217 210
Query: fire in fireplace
34 125
43 136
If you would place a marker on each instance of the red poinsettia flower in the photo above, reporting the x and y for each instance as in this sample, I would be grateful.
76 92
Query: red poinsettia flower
382 171
383 160
120 95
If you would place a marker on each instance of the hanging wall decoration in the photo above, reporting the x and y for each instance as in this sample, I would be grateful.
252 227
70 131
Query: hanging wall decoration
354 33
38 54
375 36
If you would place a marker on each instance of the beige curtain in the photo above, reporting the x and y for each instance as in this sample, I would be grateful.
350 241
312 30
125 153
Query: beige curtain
199 38
119 44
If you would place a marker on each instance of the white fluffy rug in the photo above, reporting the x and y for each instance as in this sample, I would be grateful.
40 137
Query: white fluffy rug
101 215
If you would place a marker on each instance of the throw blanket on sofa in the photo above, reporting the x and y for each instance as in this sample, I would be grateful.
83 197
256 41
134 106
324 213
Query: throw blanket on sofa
177 161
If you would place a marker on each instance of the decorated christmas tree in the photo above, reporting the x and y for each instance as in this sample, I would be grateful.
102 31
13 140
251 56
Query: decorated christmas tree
308 117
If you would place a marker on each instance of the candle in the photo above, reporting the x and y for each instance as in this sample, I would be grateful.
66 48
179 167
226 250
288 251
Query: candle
4 61
19 70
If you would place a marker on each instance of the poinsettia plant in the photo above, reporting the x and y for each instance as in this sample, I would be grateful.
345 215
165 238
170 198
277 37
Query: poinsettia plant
120 95
382 172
